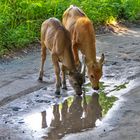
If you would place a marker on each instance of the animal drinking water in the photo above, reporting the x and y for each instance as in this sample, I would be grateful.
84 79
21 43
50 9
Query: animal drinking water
83 39
56 38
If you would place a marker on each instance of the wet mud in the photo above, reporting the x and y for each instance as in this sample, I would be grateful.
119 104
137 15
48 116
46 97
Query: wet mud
30 110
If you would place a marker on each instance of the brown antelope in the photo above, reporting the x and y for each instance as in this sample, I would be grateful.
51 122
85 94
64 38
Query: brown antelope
83 39
57 39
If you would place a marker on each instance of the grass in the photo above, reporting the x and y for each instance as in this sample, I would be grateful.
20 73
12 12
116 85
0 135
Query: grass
20 20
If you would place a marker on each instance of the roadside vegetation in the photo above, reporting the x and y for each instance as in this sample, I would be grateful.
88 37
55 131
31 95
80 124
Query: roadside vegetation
20 20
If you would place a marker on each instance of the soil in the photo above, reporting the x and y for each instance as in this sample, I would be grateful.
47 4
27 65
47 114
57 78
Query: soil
23 99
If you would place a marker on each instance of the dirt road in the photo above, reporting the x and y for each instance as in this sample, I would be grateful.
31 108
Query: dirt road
25 103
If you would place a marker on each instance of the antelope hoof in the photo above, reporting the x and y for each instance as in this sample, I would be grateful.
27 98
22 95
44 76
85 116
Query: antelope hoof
40 79
84 79
79 93
64 87
57 92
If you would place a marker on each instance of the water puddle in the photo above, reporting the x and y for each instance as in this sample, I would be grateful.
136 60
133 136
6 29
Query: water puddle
45 116
74 114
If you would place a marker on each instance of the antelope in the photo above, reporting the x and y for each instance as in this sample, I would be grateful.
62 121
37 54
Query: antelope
83 39
57 40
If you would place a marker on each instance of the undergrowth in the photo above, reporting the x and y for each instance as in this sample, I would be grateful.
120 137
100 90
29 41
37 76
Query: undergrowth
20 20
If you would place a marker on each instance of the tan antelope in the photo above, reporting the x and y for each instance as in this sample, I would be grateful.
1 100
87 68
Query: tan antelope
57 39
83 39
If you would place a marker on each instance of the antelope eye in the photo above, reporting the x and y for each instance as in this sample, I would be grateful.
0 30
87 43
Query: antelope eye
92 76
75 84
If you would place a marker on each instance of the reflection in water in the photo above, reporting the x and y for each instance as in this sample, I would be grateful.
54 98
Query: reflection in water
75 114
44 123
92 111
39 120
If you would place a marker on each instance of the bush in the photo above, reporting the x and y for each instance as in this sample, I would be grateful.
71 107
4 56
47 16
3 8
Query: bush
20 20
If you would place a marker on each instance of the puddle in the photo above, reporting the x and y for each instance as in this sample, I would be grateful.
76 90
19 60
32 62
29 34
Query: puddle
74 114
47 117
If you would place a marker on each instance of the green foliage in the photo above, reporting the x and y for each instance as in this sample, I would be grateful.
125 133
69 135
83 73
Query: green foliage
20 20
119 87
131 9
106 102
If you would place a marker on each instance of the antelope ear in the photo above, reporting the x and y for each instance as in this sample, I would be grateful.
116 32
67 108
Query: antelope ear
102 59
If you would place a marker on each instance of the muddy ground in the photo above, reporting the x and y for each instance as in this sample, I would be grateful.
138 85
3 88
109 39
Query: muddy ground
30 110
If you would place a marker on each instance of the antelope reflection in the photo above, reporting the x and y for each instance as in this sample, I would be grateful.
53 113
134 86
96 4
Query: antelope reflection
81 114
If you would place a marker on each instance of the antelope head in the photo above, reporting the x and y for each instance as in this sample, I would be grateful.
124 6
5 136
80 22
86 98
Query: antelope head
95 72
